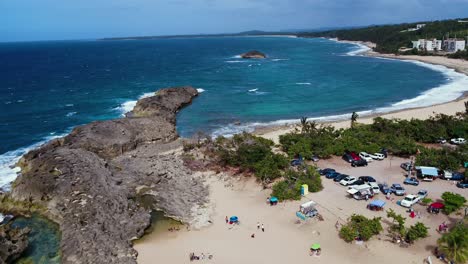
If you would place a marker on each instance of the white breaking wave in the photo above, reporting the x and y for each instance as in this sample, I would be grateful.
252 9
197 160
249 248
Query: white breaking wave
361 48
304 83
129 105
200 90
253 90
8 171
236 57
447 92
71 114
235 61
280 59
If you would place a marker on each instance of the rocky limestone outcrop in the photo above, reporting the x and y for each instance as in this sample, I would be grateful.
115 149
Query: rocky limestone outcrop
254 54
101 182
13 241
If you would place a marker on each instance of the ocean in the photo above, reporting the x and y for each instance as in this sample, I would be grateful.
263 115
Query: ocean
47 88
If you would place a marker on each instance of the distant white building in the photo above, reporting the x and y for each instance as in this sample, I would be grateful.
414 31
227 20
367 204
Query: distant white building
427 44
454 45
419 26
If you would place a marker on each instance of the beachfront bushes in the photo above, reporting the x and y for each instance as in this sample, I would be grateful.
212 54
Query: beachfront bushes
360 227
290 187
411 234
452 201
251 153
445 158
416 231
399 137
454 244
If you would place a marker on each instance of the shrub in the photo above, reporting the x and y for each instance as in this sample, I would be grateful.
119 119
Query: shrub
426 201
453 202
417 231
290 187
360 226
454 244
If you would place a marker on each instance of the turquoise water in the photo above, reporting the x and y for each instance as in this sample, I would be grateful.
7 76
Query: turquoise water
44 240
47 88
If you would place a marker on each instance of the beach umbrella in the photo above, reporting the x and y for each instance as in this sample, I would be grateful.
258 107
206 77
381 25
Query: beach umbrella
437 205
233 219
315 246
273 199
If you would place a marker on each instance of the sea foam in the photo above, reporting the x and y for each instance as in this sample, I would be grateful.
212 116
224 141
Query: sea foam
129 105
8 170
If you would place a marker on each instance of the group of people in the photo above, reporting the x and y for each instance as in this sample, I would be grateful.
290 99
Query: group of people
315 252
202 256
258 228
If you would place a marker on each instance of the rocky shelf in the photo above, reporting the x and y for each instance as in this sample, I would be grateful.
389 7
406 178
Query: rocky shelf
92 182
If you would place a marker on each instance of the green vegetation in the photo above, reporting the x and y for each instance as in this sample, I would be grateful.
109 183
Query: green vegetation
453 202
454 244
417 231
411 234
389 38
400 137
290 187
426 201
361 227
251 153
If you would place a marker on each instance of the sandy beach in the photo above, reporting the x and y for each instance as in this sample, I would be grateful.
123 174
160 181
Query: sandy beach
285 240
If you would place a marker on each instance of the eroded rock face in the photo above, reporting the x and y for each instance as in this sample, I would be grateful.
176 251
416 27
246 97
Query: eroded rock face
13 241
254 54
92 181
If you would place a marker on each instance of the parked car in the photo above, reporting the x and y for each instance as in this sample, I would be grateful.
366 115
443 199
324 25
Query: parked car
347 157
384 188
359 182
332 175
348 180
462 184
441 140
384 151
455 176
377 156
326 170
411 181
359 163
367 178
340 177
406 166
458 141
409 200
422 194
354 155
397 189
365 156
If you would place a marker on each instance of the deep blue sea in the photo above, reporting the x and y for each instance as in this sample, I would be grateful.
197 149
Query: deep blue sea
47 88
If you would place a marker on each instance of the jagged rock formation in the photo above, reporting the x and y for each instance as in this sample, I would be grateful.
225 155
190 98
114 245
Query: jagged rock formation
101 182
13 241
254 54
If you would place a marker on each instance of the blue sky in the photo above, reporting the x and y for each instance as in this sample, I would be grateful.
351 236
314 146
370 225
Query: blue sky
22 20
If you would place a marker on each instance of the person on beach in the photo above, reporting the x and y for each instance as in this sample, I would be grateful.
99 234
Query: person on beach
253 235
258 225
227 220
263 228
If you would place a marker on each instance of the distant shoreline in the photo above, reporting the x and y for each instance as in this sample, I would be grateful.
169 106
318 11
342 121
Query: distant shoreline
449 108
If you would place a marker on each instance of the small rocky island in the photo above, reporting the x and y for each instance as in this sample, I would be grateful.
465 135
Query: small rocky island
101 182
254 54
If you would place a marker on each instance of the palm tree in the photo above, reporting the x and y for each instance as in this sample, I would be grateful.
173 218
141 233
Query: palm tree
354 118
303 124
455 244
466 107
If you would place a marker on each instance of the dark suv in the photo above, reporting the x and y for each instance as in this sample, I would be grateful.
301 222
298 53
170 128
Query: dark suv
359 163
367 178
347 157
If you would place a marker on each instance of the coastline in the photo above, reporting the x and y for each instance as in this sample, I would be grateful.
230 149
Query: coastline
449 108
